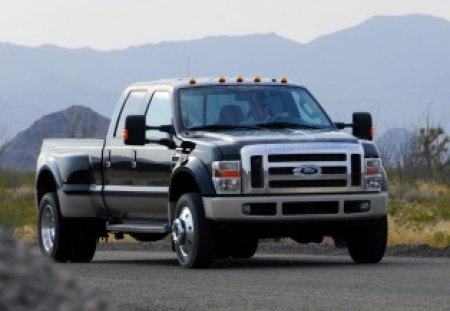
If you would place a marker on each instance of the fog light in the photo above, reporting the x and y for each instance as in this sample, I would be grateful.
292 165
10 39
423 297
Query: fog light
246 209
364 206
352 207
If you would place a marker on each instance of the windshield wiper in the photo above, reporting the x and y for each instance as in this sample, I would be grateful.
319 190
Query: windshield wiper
222 127
278 125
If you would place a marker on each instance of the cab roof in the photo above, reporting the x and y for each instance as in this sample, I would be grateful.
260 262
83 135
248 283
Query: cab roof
240 80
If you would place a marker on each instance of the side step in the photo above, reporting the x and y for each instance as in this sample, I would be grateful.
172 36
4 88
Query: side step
140 227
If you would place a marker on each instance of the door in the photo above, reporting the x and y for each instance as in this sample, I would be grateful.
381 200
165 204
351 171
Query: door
119 159
153 168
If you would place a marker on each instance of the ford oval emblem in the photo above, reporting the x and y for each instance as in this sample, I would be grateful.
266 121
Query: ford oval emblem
306 170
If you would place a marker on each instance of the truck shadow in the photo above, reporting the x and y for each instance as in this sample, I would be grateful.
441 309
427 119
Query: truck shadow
257 262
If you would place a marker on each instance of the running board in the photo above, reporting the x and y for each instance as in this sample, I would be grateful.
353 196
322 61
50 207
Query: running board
139 228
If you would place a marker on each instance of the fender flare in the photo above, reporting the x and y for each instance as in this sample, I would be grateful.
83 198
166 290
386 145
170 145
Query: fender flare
196 170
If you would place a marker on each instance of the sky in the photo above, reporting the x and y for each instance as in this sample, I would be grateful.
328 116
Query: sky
117 24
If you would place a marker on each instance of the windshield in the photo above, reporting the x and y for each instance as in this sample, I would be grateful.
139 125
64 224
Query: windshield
244 107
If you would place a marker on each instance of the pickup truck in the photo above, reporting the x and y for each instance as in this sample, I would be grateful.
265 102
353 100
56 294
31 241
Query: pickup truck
216 165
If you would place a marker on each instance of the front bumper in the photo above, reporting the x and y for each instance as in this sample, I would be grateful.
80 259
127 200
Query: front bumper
231 209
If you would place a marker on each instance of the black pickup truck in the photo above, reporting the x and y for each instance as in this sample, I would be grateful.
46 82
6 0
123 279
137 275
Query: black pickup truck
217 164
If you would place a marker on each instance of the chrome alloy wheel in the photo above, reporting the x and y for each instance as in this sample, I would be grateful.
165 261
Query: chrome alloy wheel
183 233
48 230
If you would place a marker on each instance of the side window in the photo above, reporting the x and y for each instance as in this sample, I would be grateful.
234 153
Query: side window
134 105
159 113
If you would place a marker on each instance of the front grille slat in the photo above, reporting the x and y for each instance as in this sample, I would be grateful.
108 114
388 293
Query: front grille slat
308 183
327 170
308 157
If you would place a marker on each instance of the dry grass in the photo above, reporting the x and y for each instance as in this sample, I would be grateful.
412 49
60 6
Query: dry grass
437 235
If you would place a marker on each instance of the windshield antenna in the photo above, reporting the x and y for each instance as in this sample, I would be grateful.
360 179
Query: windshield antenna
188 67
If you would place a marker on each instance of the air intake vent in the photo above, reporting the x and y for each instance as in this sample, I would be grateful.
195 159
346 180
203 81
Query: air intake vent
356 170
310 208
257 173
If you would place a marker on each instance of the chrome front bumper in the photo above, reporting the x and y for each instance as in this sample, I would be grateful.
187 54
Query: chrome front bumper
230 209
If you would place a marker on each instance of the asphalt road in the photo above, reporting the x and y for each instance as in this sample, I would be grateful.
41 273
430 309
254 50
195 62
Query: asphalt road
137 280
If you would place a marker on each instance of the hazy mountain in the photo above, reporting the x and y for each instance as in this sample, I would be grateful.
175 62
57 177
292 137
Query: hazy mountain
75 122
394 67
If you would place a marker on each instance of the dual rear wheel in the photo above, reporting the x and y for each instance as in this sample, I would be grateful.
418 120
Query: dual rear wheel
65 239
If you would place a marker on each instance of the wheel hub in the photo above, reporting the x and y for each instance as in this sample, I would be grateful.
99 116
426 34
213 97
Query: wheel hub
178 232
48 230
183 233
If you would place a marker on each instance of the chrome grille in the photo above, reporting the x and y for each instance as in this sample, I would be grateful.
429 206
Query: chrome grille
309 167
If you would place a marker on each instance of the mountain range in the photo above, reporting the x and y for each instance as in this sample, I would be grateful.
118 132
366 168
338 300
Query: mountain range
22 151
395 67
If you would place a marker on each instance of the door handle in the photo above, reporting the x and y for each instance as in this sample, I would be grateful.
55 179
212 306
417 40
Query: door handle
108 161
134 162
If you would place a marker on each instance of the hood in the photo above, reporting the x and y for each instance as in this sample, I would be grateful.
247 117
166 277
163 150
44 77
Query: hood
231 142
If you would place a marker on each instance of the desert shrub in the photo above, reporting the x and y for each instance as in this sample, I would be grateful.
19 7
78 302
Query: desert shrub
17 207
17 210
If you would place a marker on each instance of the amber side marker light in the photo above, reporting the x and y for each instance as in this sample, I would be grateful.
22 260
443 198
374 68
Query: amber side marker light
372 133
227 174
284 80
125 134
240 79
257 79
222 79
192 81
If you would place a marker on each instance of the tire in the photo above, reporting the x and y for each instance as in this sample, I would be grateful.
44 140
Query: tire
192 233
54 236
243 248
64 239
222 246
369 245
84 237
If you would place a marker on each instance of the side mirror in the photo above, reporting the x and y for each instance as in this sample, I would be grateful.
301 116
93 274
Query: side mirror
136 129
362 125
134 132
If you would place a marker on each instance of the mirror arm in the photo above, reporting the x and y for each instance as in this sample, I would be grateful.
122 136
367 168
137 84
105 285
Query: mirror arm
342 125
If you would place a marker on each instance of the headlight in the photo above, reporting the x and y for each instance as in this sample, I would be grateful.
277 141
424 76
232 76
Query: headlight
372 172
226 177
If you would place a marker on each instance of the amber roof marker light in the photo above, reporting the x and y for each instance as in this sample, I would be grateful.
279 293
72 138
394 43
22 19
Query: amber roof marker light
284 80
222 79
240 79
192 81
257 79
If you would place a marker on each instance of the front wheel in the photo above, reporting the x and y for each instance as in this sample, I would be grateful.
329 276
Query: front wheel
192 233
369 244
